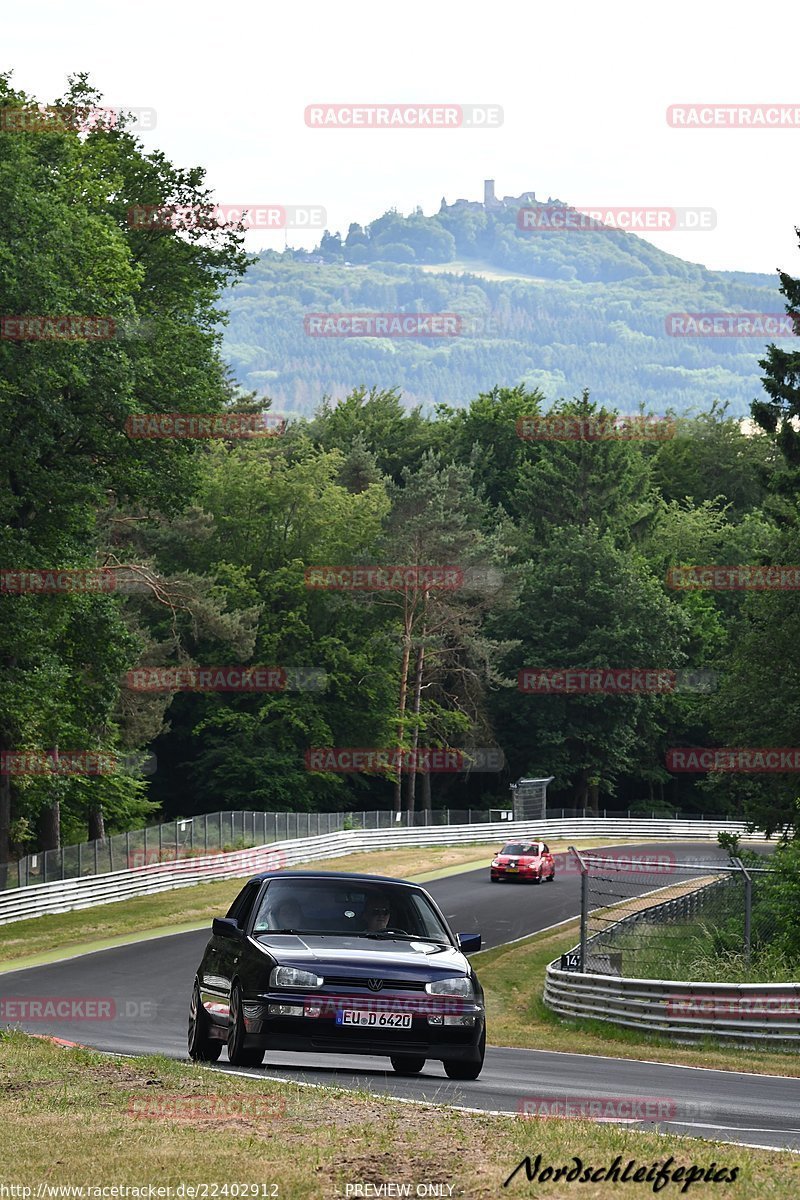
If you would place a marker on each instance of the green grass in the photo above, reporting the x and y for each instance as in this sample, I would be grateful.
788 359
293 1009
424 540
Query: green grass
690 950
74 1117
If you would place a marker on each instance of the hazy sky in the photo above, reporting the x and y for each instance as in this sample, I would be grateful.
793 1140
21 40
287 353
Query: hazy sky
584 90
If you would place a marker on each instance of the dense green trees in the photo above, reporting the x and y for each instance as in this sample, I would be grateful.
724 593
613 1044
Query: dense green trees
559 547
69 251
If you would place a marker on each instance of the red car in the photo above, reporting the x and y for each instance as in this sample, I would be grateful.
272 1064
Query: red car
531 861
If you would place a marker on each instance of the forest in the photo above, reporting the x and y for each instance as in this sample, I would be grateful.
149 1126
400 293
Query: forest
552 311
236 556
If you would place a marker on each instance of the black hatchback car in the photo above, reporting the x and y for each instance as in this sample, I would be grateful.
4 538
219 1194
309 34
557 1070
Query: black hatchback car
338 963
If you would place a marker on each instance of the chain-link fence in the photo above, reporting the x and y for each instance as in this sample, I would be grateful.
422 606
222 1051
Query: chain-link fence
212 833
220 831
652 916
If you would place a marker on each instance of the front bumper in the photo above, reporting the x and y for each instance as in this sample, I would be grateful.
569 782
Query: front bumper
510 873
427 1035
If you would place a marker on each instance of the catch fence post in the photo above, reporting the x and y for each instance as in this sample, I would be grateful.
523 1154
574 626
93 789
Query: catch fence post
748 906
584 904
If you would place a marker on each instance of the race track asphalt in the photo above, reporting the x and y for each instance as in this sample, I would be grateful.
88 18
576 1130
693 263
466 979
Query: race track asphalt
150 983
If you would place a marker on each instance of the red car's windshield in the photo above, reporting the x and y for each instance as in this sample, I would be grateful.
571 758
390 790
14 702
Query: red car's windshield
521 848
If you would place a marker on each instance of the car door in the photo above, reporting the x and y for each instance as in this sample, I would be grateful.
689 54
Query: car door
223 954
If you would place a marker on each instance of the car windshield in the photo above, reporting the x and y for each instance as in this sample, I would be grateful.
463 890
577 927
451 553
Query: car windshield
322 906
520 848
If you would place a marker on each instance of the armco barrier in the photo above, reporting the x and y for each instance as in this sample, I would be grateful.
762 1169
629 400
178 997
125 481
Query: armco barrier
746 1013
68 894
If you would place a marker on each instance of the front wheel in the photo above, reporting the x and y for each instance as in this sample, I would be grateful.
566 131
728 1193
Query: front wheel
457 1069
551 878
239 1054
202 1048
407 1064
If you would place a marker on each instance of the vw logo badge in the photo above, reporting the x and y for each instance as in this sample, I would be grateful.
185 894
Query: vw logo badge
374 985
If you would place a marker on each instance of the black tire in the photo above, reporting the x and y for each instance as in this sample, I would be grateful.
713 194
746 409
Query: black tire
239 1054
551 878
202 1048
407 1064
493 880
537 878
458 1069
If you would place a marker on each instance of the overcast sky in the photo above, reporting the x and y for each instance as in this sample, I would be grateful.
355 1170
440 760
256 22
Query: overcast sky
584 90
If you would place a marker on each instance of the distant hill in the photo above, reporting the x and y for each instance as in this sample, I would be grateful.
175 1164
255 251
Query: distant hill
556 310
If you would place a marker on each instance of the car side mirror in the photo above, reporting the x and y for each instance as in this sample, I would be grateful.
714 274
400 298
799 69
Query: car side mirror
225 927
469 942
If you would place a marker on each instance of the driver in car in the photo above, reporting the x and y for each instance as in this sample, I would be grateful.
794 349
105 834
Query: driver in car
376 915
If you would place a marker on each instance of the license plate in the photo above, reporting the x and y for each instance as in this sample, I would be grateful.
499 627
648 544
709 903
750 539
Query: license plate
512 870
374 1020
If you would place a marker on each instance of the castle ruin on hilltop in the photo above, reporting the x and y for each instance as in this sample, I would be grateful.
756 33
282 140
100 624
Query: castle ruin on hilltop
492 203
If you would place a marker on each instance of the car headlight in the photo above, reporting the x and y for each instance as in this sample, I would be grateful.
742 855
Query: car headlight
458 985
294 977
496 862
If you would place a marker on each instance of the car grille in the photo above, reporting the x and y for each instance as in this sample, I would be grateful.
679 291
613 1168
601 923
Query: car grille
338 982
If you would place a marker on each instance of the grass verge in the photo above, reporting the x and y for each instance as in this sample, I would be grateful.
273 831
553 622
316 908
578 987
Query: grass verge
513 980
74 1117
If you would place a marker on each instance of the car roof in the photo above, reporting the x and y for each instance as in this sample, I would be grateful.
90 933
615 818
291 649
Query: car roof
331 875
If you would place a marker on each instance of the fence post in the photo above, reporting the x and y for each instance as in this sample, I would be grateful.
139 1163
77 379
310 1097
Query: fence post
205 832
748 906
584 903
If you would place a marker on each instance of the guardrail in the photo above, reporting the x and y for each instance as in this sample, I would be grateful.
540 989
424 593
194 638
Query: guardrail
211 833
68 894
683 1010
